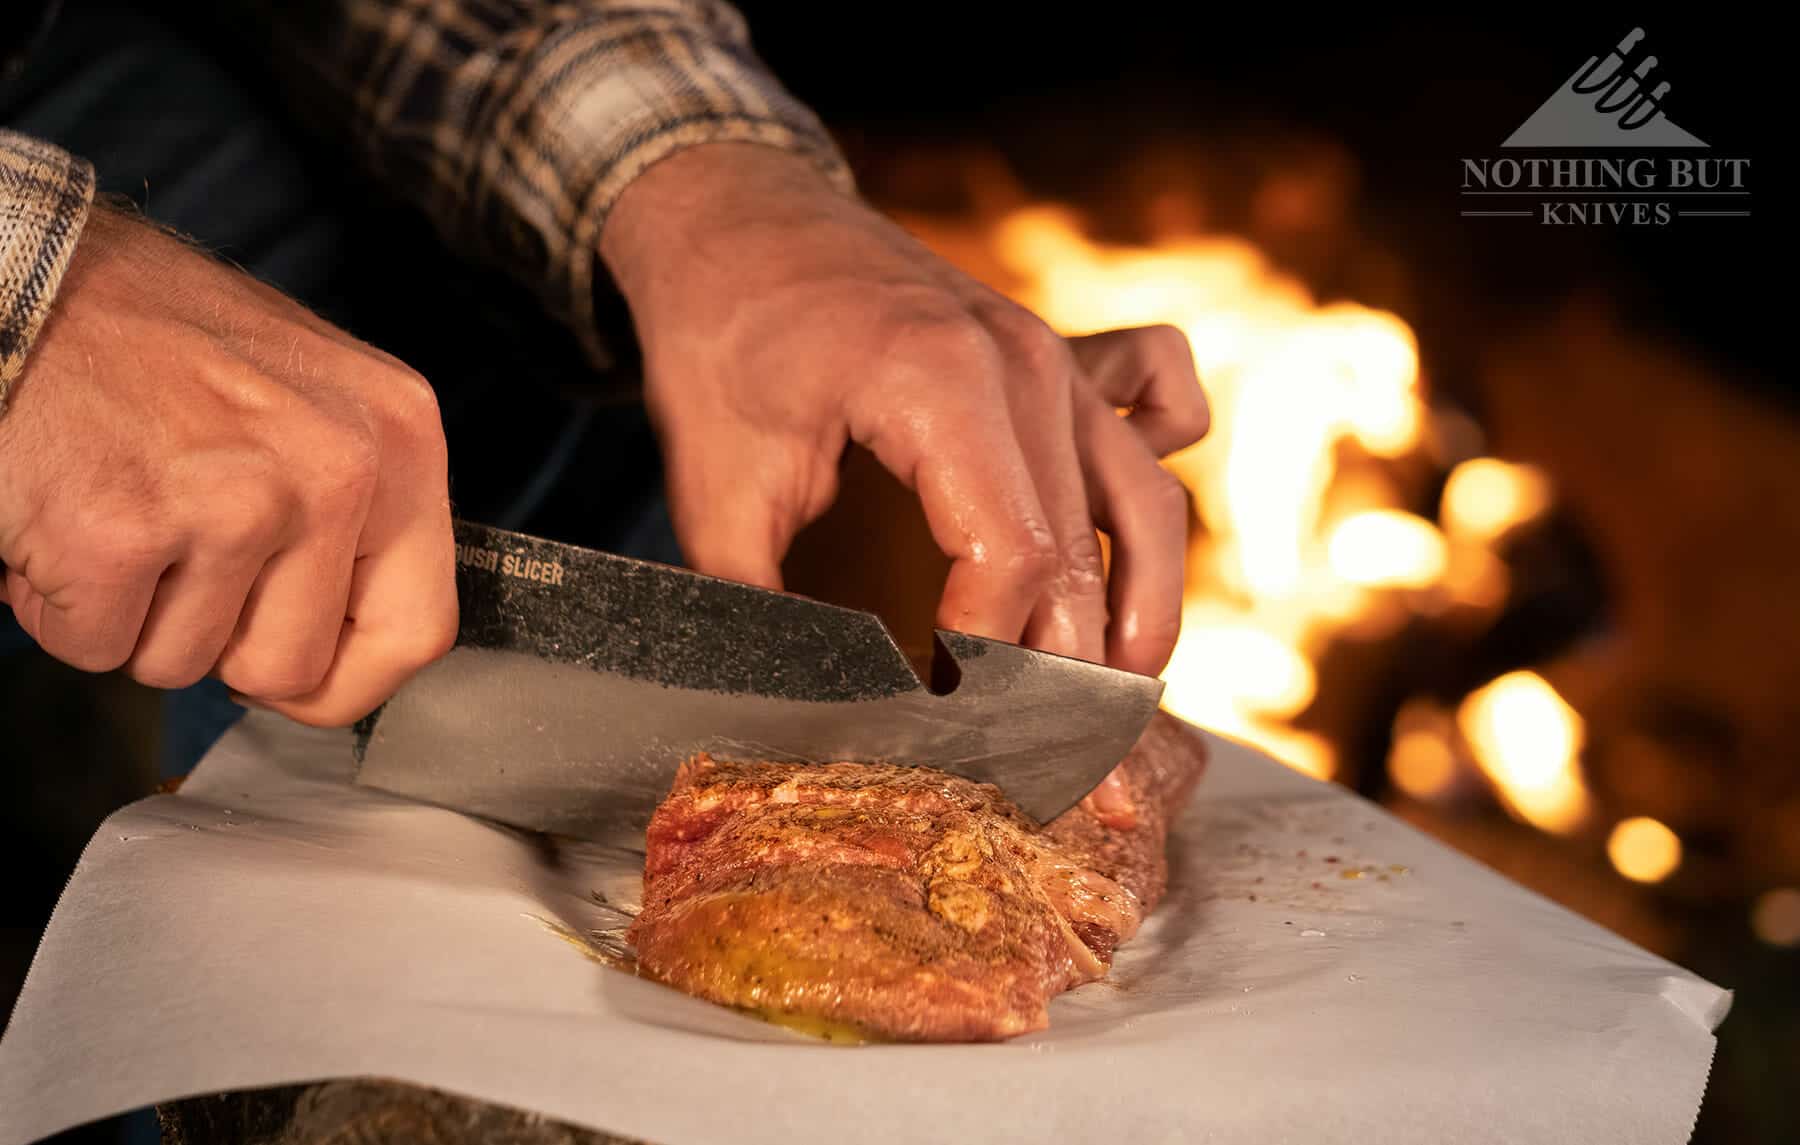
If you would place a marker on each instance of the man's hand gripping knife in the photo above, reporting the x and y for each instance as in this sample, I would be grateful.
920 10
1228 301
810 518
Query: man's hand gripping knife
198 476
782 320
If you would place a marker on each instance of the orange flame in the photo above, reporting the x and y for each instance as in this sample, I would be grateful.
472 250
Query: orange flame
1528 741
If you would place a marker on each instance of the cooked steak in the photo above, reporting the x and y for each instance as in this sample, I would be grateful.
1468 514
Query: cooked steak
901 902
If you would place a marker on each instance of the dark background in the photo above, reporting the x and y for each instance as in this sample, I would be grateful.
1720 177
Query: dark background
1070 97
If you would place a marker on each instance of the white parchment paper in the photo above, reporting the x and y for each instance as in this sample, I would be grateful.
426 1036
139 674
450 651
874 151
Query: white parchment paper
273 924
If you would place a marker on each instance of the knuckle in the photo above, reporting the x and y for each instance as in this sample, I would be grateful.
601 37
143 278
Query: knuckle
409 400
1083 567
105 514
86 634
1081 571
428 640
1162 627
1169 343
1194 433
1040 352
1172 361
1031 554
1008 319
945 338
1192 420
818 483
440 638
352 467
275 677
1153 636
165 674
1188 414
1033 349
414 424
335 710
120 546
251 519
89 651
1164 496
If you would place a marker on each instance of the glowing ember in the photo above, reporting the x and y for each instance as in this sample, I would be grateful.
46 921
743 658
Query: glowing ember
1422 761
1643 850
1476 577
1486 498
1776 917
1422 764
1385 547
1527 740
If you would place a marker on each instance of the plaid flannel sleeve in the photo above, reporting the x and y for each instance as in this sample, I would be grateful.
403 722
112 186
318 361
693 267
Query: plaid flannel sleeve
516 124
44 199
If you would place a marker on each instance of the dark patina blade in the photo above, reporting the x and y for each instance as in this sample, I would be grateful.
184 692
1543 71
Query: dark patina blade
581 679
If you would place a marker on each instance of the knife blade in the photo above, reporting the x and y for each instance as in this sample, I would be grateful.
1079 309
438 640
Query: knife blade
581 679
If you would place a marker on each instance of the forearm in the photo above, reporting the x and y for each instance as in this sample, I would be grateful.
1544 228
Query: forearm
517 127
45 194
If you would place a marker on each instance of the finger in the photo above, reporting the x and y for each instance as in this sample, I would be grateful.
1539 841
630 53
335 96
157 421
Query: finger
1145 511
956 448
1150 371
192 616
287 633
737 541
91 623
401 612
735 515
1070 617
1111 801
27 603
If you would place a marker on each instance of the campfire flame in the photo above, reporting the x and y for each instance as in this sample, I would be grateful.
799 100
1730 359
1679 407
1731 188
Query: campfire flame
1528 741
1388 548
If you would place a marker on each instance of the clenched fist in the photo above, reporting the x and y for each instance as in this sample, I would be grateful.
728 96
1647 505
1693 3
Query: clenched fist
198 476
782 320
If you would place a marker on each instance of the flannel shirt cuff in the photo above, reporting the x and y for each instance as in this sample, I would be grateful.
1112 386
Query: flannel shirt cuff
615 101
44 198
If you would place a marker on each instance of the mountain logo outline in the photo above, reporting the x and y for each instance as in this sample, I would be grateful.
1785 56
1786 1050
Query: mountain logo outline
1604 105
